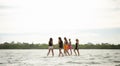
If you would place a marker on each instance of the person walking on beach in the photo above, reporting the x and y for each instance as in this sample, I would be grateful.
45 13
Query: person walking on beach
60 42
66 46
70 46
50 47
76 48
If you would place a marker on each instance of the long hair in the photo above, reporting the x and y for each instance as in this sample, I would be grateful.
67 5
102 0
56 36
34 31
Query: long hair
60 40
77 41
69 41
66 42
51 41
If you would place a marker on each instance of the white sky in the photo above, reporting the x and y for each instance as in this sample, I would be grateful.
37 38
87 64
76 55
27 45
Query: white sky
52 18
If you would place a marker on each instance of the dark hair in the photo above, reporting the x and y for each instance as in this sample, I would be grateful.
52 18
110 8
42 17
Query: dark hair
50 41
66 40
69 39
77 40
60 39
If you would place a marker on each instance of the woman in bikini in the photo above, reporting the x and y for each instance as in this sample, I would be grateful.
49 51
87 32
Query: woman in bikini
60 42
70 46
76 48
50 47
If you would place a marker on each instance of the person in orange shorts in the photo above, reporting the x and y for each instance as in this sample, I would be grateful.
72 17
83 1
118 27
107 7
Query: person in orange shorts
66 47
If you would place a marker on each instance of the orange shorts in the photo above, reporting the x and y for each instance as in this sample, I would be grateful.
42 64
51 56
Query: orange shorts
66 47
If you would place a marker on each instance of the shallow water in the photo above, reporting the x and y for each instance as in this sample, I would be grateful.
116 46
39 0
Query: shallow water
37 57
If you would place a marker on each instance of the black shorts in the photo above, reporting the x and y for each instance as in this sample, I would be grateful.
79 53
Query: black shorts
61 47
76 48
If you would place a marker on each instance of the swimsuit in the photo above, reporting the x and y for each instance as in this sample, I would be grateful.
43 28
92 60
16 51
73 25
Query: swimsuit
66 47
76 46
60 45
50 47
70 46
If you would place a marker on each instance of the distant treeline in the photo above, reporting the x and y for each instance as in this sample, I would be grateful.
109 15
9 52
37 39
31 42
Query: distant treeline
23 45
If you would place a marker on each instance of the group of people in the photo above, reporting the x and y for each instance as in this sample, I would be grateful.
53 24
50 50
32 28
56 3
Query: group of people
66 45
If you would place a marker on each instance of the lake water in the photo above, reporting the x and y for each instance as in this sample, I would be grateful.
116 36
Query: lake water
37 57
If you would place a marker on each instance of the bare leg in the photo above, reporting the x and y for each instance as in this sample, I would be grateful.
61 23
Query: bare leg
71 51
78 52
52 52
67 52
62 53
75 52
59 52
48 52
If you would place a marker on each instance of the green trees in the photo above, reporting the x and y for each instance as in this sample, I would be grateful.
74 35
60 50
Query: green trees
99 46
24 45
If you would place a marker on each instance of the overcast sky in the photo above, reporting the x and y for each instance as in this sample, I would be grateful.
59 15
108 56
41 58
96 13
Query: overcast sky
37 20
